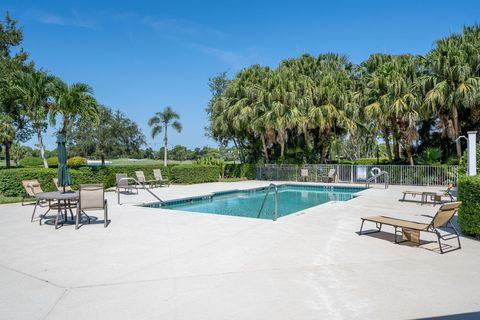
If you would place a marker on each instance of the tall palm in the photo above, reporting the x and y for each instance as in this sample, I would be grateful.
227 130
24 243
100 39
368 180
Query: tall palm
71 102
35 90
454 83
7 134
160 122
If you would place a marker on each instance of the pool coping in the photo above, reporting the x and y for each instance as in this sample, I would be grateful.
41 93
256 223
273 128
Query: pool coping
210 195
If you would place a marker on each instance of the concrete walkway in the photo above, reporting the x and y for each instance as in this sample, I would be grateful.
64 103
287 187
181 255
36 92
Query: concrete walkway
165 264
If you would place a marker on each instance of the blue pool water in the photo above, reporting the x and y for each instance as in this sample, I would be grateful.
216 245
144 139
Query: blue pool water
247 203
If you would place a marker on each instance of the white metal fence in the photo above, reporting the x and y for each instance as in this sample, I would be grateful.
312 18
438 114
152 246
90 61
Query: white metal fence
344 173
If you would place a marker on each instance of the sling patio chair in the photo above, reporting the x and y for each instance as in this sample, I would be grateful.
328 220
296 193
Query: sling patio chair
157 173
410 230
141 179
330 176
60 188
414 194
122 180
32 188
91 197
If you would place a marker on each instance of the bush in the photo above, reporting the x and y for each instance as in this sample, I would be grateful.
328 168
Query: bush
194 173
462 165
11 179
371 161
52 162
469 213
76 162
29 162
240 170
211 161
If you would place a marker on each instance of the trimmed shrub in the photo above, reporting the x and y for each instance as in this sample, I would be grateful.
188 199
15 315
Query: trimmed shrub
371 161
76 162
30 162
194 173
11 179
469 213
52 162
211 161
239 170
462 164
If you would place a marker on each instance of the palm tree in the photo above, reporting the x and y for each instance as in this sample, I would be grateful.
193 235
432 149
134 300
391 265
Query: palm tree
7 134
72 102
454 82
160 122
35 90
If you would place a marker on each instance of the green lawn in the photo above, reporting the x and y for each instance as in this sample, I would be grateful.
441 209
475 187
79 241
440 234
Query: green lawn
126 162
4 199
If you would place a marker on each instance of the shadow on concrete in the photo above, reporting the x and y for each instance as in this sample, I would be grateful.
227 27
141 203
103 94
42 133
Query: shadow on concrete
458 316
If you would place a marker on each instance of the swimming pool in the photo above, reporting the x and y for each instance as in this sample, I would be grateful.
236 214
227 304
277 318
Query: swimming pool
247 203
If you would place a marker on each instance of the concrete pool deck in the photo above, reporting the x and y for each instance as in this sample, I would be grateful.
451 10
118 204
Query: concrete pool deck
164 264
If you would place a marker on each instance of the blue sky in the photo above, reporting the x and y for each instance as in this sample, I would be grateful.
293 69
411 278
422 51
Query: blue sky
142 56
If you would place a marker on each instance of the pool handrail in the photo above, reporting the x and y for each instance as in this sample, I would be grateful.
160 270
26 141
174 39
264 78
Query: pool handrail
142 185
275 215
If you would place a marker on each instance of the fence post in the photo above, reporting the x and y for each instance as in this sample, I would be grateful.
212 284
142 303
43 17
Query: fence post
351 173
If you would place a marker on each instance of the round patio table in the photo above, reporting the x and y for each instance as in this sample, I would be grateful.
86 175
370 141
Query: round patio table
65 200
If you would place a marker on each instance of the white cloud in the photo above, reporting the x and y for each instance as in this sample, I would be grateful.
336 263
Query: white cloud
72 20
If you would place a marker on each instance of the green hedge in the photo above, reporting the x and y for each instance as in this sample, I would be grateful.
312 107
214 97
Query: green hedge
52 162
28 162
240 170
194 173
11 179
469 213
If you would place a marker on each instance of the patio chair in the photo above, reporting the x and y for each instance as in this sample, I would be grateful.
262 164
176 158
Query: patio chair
122 180
330 176
157 173
32 188
410 230
141 179
60 188
91 197
413 194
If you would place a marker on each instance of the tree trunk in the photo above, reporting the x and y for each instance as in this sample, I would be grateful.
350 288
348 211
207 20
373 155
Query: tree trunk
265 149
456 128
396 147
281 141
386 137
324 153
409 150
103 159
41 147
7 154
165 141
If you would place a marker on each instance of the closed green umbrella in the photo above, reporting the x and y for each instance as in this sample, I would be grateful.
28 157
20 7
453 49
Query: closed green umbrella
64 178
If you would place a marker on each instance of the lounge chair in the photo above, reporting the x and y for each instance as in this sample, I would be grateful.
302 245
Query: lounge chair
122 183
32 188
414 194
91 197
60 188
157 173
410 230
141 179
330 176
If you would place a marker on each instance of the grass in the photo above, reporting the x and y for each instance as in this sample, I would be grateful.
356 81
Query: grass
232 179
126 162
4 200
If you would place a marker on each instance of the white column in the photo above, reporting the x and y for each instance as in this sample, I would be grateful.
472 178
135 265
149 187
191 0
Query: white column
472 153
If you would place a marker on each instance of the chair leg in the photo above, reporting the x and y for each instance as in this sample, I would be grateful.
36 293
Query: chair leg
439 242
105 214
77 218
34 209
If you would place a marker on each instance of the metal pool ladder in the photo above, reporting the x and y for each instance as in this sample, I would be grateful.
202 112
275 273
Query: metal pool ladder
275 215
374 178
